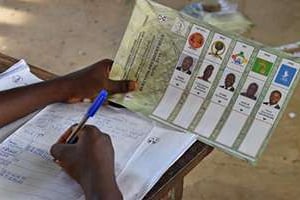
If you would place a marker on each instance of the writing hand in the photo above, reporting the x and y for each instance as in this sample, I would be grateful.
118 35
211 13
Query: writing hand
90 162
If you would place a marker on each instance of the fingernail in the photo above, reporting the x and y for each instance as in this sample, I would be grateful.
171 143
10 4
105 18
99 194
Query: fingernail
133 85
86 100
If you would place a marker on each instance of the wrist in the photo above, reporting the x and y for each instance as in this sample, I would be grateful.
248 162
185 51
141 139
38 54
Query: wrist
62 89
107 194
103 187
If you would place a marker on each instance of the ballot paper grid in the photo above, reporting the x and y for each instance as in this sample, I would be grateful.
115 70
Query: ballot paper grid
186 110
228 90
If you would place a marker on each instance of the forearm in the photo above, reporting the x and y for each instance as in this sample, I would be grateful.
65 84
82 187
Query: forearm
18 102
85 83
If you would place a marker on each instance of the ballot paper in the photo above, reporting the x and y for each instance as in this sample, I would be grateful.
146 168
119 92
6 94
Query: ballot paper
228 90
27 170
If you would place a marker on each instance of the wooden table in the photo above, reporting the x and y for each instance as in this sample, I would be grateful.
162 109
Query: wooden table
170 185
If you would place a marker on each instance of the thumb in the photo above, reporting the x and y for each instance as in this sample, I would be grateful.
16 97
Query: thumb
122 86
62 152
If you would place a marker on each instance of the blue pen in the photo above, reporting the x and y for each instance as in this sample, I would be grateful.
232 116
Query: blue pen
90 113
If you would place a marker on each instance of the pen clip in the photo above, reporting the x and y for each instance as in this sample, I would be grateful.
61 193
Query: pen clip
100 99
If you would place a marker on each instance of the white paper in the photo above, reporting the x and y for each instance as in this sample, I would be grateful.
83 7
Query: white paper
156 154
25 154
16 76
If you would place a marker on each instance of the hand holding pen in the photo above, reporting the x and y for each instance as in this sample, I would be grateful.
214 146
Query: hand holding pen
98 102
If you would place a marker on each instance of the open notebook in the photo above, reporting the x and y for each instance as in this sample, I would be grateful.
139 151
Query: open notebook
144 150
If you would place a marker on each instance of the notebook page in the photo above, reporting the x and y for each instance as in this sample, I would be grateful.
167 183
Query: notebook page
156 154
27 170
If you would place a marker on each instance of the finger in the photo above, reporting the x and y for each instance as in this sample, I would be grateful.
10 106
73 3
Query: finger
107 64
82 132
65 136
62 152
89 134
123 86
87 100
74 100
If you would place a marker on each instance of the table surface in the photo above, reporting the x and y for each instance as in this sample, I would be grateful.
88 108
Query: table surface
175 173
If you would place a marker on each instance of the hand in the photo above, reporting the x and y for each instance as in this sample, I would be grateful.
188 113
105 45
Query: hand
87 82
90 162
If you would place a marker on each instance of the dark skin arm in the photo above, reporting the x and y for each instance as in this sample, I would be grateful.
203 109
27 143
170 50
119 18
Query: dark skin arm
86 83
90 162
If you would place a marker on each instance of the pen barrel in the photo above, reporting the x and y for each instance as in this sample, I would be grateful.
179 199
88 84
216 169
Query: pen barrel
74 135
100 99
